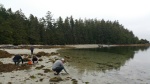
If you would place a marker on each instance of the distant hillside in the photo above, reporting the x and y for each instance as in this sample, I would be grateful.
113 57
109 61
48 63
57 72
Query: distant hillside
16 28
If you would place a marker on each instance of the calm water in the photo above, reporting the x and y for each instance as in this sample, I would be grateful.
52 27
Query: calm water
115 65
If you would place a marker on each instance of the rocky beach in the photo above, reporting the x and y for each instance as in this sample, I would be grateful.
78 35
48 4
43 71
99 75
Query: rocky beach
30 74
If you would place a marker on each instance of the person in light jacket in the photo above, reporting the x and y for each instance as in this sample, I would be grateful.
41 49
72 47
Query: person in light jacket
58 66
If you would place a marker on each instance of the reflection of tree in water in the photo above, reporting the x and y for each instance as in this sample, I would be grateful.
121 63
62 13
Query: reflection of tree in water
100 59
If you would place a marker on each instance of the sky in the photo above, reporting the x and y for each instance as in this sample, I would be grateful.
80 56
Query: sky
134 15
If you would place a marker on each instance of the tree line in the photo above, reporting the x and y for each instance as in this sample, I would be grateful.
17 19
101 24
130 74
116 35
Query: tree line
16 28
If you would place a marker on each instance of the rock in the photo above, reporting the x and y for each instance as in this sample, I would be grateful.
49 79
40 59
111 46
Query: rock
67 57
9 83
40 67
46 70
4 54
40 60
39 54
56 79
74 81
54 53
1 62
86 82
13 67
41 79
32 77
40 74
26 59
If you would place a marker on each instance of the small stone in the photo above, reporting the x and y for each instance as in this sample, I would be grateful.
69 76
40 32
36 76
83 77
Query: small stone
56 79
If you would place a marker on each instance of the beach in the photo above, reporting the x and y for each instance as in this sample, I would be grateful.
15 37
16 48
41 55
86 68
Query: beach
38 73
41 72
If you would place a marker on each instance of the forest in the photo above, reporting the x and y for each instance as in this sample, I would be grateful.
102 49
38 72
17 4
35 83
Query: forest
16 29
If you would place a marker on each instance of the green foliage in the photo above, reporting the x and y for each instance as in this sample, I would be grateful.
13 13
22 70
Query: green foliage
143 41
16 29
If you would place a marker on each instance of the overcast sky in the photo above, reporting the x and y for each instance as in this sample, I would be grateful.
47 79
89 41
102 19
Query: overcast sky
132 14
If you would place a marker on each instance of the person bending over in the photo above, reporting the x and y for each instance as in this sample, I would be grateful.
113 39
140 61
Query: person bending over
34 59
17 59
58 66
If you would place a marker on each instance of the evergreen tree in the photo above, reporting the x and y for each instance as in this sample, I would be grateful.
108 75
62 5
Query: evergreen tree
16 29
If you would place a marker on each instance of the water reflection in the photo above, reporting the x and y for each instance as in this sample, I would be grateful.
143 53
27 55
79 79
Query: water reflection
100 59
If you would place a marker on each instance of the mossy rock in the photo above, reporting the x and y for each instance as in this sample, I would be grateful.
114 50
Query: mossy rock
4 54
1 62
32 77
9 83
74 81
56 79
40 67
54 53
42 54
41 79
40 74
86 82
26 59
40 60
13 67
47 70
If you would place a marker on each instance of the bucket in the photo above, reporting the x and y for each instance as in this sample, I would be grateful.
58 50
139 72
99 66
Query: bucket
29 62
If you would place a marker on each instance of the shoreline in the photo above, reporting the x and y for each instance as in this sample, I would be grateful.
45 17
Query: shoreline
33 75
9 46
24 76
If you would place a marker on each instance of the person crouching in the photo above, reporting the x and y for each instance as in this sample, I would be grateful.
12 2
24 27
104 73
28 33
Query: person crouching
58 66
34 59
17 59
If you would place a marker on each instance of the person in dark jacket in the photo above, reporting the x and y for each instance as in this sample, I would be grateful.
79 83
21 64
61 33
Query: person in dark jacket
17 59
35 59
31 48
58 66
